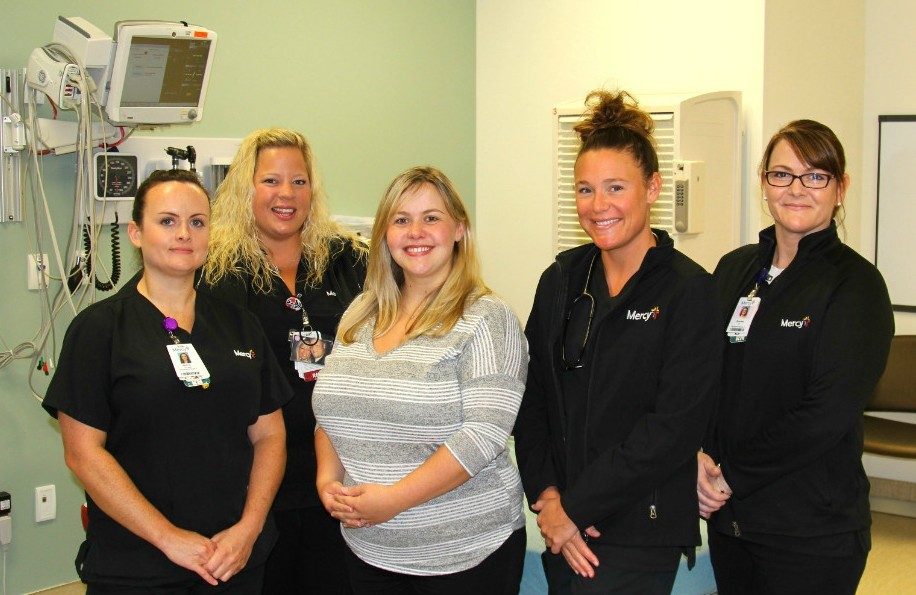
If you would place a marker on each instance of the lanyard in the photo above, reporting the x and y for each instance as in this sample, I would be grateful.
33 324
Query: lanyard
295 303
761 278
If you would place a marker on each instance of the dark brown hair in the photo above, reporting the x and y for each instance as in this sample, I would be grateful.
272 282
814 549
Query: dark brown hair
615 121
813 143
161 176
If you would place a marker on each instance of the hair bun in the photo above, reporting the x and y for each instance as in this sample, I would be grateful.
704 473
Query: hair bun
606 110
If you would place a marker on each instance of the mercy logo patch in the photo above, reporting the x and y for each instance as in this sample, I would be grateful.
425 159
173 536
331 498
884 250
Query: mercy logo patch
644 316
803 323
249 354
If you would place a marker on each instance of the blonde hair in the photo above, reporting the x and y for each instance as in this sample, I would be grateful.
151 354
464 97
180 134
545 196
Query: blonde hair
235 244
384 278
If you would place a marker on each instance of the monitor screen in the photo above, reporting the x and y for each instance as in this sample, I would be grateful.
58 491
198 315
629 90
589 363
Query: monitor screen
159 73
165 71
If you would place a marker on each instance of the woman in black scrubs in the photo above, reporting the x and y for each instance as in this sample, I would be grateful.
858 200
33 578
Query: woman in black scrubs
622 378
809 329
275 251
170 417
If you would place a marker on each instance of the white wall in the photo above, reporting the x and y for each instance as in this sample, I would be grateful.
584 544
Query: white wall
890 88
814 67
535 54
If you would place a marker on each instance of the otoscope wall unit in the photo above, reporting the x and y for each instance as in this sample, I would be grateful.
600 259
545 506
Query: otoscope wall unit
119 174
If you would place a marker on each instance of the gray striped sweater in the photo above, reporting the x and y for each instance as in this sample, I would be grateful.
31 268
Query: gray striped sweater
387 413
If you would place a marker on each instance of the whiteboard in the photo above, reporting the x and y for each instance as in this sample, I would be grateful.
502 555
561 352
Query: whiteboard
895 245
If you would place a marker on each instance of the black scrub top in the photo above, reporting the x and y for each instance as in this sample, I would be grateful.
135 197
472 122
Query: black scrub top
186 449
325 304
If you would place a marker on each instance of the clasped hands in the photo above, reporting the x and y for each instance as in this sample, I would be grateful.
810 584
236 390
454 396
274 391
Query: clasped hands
562 536
361 505
712 489
218 558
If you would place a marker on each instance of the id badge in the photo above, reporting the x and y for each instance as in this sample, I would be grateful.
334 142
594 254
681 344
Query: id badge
189 367
307 350
740 323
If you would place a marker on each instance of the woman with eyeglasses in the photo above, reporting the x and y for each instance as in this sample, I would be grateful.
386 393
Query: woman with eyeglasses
781 478
624 367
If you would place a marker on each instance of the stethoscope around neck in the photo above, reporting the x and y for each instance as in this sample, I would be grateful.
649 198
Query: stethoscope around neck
583 300
574 307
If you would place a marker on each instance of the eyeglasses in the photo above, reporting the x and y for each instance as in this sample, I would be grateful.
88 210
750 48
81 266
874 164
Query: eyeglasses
814 180
579 323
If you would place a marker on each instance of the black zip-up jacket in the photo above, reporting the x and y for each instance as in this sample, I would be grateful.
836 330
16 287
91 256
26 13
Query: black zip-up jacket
788 431
648 402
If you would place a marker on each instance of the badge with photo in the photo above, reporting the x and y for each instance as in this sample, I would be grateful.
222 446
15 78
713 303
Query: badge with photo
308 350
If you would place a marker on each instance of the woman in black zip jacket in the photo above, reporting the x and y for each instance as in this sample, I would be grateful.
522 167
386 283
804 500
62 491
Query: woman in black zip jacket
625 362
809 326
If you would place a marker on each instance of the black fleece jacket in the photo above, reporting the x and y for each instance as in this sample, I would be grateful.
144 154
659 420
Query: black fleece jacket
788 430
649 398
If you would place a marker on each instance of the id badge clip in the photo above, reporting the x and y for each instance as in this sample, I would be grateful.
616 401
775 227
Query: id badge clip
740 323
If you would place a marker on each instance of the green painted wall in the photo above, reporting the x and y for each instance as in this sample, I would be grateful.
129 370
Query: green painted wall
377 86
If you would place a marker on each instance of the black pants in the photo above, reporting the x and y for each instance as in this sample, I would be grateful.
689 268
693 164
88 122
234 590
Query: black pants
308 556
247 582
500 573
608 579
744 568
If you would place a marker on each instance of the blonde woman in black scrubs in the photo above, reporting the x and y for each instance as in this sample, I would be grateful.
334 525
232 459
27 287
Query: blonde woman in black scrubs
276 251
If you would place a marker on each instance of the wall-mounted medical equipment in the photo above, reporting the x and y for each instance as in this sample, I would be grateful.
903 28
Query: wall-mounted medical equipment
689 196
51 73
12 142
90 46
159 72
78 47
116 176
701 132
179 155
151 72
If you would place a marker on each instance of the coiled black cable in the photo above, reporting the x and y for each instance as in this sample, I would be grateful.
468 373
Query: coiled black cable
76 275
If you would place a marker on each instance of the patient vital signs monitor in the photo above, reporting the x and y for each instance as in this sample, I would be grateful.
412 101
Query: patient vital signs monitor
159 72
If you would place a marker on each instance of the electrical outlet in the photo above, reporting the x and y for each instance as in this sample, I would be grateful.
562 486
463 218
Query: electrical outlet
45 503
39 274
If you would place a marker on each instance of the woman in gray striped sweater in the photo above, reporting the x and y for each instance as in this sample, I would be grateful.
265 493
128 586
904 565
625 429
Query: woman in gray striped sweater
415 406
